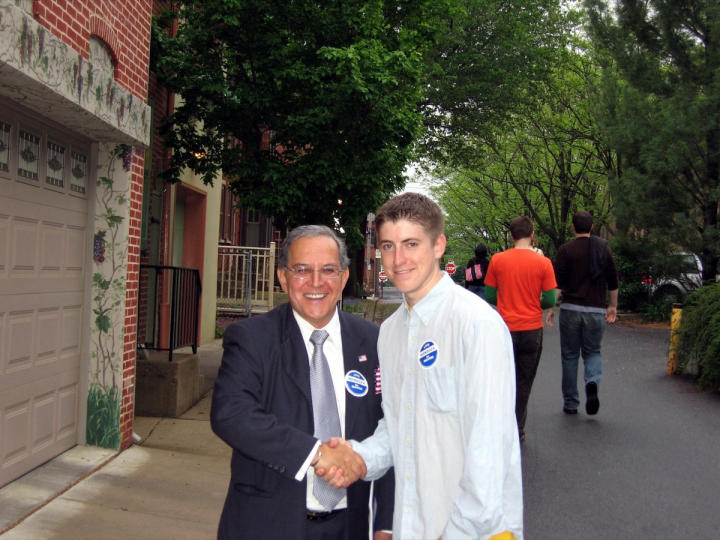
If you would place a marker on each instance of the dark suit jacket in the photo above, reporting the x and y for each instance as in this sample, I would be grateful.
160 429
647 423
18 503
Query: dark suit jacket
262 408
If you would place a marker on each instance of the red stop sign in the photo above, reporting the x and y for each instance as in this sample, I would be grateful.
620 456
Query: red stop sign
450 268
382 276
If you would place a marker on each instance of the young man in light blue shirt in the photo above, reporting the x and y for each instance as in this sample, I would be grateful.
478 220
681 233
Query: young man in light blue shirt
448 383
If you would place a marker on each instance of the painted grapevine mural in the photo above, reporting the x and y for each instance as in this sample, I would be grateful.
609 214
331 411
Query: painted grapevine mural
108 297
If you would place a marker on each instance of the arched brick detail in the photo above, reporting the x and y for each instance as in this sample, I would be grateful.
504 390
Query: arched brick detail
100 28
123 26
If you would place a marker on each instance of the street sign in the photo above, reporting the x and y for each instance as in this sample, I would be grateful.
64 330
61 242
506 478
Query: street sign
382 276
450 268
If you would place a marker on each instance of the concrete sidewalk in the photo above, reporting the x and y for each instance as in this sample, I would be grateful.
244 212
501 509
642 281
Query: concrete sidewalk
170 485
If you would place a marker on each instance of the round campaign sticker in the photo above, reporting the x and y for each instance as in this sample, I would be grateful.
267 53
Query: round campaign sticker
428 354
356 383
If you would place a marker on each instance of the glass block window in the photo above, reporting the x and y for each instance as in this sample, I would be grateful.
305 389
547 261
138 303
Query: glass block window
55 164
4 147
29 155
78 172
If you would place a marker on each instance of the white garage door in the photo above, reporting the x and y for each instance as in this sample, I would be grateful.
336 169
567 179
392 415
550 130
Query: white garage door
43 246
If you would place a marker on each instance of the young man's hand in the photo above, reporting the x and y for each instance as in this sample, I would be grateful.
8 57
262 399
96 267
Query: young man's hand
339 465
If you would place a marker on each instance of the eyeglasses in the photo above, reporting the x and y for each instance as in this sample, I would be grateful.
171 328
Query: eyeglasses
301 272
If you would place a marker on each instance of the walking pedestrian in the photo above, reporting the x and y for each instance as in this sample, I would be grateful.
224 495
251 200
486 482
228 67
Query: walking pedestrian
475 271
586 273
521 282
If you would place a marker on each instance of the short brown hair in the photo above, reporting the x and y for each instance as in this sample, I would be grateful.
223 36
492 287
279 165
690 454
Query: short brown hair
413 207
582 222
521 227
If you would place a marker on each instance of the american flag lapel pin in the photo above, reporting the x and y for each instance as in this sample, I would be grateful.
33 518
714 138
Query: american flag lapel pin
362 358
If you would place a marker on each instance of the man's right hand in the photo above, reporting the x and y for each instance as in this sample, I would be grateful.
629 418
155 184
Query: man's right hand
339 464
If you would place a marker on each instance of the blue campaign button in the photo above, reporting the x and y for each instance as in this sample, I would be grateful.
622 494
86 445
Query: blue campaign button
428 354
355 383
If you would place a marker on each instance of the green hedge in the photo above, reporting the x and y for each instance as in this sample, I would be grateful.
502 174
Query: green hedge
699 336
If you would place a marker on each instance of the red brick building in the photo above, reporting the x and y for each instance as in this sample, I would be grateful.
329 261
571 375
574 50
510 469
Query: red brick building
74 128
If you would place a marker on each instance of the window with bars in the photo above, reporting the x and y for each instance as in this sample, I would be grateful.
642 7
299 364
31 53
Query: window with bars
5 132
42 155
29 155
55 174
78 172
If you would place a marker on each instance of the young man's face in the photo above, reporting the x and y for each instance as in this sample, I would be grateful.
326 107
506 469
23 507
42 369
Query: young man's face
410 257
313 296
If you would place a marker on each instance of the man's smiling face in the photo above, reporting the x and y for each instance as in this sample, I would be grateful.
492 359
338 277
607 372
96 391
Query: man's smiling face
410 257
314 297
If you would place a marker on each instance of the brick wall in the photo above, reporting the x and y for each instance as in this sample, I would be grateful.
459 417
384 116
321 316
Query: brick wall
124 26
127 409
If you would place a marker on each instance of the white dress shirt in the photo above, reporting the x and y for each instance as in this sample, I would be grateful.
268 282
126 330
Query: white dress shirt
448 381
332 348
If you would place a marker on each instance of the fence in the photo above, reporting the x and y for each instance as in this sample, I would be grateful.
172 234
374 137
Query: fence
246 278
168 292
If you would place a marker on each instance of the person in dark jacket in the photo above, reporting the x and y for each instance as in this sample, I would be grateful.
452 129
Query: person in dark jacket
265 404
475 271
586 275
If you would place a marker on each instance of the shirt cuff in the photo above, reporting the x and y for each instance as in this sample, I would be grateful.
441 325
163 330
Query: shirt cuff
306 464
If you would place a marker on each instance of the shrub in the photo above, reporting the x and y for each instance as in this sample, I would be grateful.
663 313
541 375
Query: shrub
633 294
103 417
699 336
655 310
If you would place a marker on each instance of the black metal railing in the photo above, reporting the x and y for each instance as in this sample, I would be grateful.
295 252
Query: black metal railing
168 292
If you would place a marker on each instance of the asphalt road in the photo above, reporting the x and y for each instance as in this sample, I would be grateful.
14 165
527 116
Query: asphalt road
647 466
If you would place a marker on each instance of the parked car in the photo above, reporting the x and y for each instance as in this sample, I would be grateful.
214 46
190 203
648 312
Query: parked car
675 285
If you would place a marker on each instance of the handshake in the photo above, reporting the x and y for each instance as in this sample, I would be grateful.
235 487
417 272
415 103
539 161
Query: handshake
338 464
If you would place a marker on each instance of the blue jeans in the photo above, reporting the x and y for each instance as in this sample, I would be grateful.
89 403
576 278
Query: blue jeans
580 332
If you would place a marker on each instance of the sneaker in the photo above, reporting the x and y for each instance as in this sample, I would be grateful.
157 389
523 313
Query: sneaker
591 393
569 411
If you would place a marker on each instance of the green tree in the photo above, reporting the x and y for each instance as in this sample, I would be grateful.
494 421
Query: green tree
490 58
661 113
301 104
547 163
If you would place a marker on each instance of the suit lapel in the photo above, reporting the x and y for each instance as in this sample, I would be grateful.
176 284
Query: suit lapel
352 349
297 364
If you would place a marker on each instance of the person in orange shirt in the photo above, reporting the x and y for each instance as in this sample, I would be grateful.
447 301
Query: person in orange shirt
522 283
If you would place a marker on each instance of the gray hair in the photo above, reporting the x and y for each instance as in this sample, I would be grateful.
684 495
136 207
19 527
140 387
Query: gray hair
305 231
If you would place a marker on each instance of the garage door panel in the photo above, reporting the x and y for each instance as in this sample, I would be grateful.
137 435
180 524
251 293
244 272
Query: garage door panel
4 224
15 418
71 334
23 246
44 251
53 245
67 411
48 334
43 420
75 251
37 429
64 208
39 341
19 343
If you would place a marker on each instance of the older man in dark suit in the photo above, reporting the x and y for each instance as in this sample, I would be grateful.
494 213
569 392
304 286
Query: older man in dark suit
289 380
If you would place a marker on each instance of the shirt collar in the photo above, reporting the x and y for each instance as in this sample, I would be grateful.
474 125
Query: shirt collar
428 305
306 329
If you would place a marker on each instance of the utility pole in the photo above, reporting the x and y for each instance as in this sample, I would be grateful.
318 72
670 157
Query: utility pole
369 281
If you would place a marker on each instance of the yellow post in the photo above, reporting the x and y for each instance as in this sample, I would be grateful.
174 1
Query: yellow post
675 319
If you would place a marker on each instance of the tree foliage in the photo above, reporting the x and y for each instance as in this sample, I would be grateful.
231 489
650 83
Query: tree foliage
547 163
490 58
661 113
299 104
